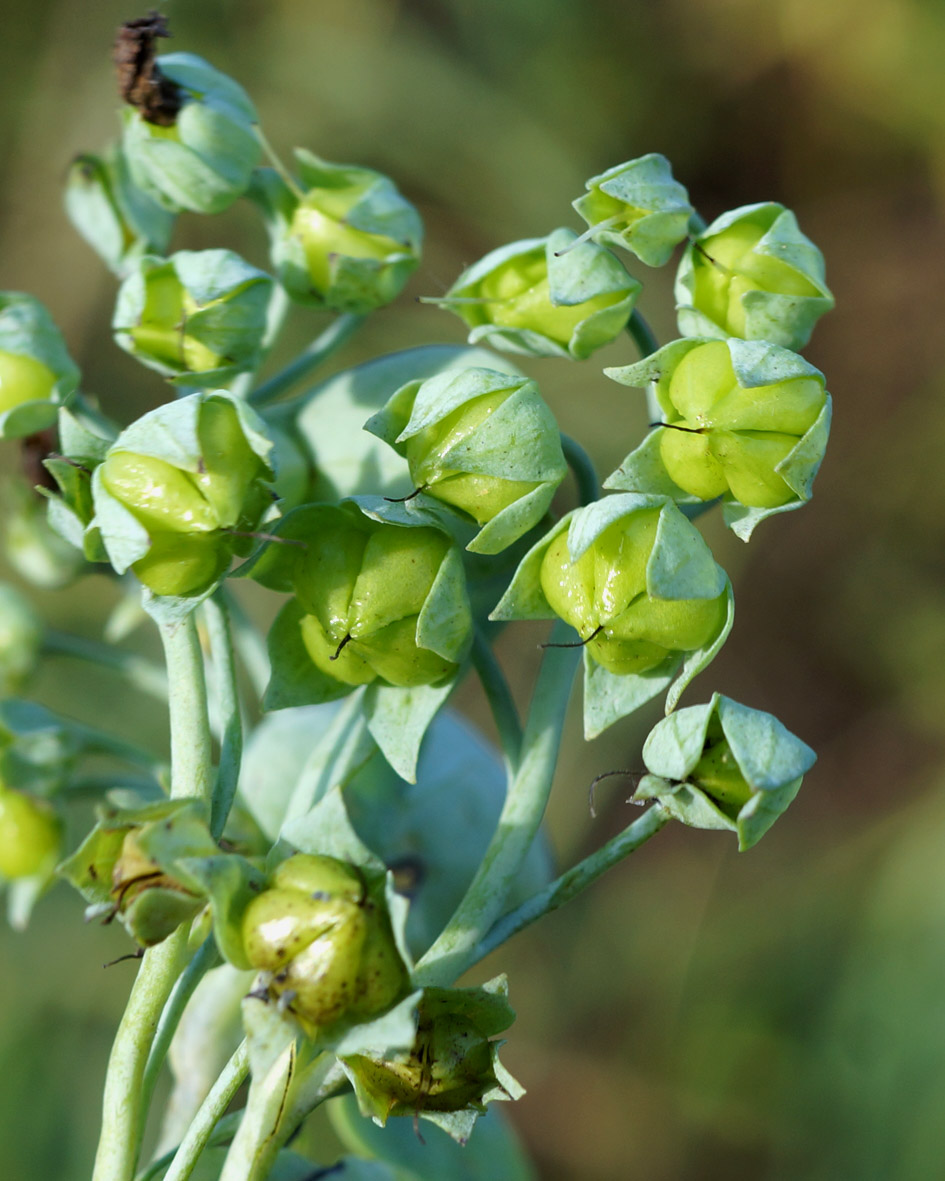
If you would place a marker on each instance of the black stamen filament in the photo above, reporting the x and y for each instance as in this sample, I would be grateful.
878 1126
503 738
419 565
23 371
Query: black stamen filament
340 647
674 426
404 499
576 643
605 775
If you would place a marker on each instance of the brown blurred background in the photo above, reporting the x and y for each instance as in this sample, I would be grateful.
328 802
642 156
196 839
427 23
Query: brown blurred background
699 1014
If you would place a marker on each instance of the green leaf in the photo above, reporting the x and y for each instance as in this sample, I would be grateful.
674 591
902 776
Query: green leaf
681 565
295 678
398 719
231 883
609 697
327 829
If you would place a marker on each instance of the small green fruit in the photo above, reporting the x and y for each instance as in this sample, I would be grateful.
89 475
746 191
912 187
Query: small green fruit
30 834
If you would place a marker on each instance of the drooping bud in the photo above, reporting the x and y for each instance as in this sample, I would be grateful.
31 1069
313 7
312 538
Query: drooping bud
638 206
754 275
178 487
30 835
547 297
36 372
198 317
118 220
189 132
21 636
324 941
747 421
724 766
481 441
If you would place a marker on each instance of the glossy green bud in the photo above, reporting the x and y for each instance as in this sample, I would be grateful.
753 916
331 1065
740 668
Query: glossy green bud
198 317
754 275
481 441
350 242
30 835
372 593
637 206
547 297
190 511
118 220
603 595
21 637
203 158
324 941
724 766
36 372
747 421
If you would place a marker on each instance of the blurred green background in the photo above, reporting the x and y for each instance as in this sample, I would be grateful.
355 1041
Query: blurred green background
699 1014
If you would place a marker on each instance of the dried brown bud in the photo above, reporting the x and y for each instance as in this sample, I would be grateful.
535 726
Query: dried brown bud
140 81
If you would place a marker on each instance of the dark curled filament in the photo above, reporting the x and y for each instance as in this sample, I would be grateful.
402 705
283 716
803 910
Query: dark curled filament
140 81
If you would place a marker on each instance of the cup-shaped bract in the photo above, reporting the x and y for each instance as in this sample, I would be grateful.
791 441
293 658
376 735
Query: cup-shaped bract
482 441
724 766
545 297
752 274
452 1066
322 937
373 600
638 206
203 159
198 317
118 220
179 487
30 835
21 637
744 420
349 242
37 375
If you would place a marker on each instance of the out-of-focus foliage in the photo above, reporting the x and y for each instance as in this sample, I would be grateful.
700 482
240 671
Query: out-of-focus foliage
698 1014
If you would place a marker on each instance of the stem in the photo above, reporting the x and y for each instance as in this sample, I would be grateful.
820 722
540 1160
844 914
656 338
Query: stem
123 1107
221 1094
334 336
570 884
580 464
277 311
525 801
223 1131
501 702
274 159
98 742
249 643
642 335
228 703
143 674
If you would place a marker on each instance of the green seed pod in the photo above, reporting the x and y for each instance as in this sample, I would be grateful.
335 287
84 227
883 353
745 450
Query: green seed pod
176 489
747 421
36 372
21 637
198 317
324 941
481 441
30 835
752 274
349 242
202 155
637 206
724 766
118 220
547 297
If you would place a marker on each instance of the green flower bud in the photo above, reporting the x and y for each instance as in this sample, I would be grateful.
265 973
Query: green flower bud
36 371
118 220
724 766
747 421
198 317
638 206
349 242
30 835
603 594
187 506
150 903
21 636
202 158
547 297
753 274
324 941
481 441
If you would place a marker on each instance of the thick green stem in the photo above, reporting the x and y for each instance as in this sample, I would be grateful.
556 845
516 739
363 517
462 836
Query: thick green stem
307 361
570 884
142 674
525 801
123 1109
228 1082
500 699
228 705
580 464
221 1134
